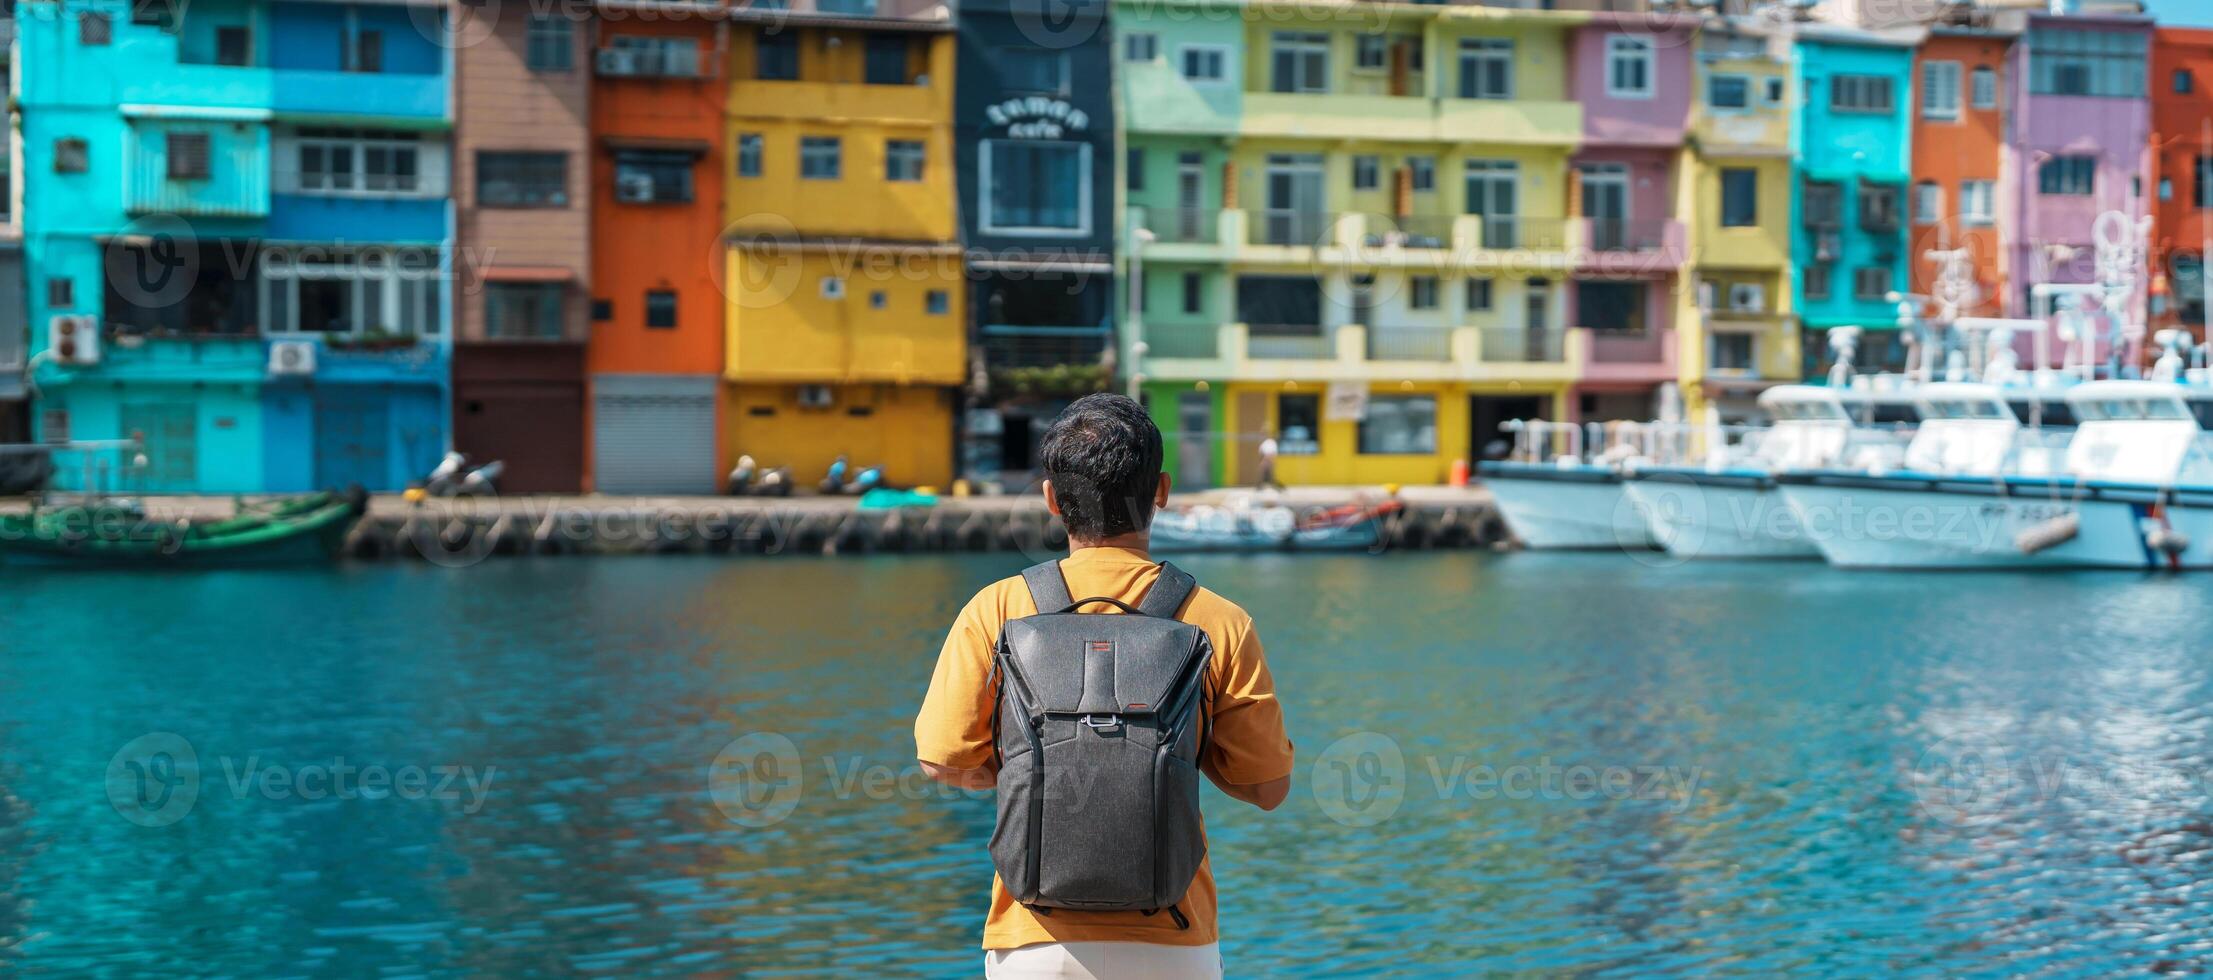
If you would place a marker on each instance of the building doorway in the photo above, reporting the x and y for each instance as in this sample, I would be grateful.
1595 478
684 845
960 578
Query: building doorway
1488 437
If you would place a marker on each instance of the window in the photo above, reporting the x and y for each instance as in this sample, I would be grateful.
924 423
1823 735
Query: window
357 161
234 46
903 160
1422 293
2202 193
1298 424
522 310
1740 197
1775 89
1140 47
1133 169
1628 67
154 13
94 29
1478 295
821 157
1861 93
351 291
2184 82
363 51
61 291
1486 68
1421 174
1033 70
188 156
1870 282
1823 204
1940 90
1203 63
1728 92
1879 207
1747 297
1036 185
72 155
1194 293
888 60
1928 202
937 302
751 148
1816 279
1399 425
1732 352
1977 201
1371 52
1299 63
550 43
1367 173
1985 85
775 56
653 177
660 309
509 179
639 56
2072 176
2100 64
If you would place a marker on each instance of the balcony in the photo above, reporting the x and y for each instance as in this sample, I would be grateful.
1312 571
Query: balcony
1516 345
1180 226
378 359
1289 342
1412 118
1350 352
340 96
236 186
1410 343
1629 356
135 356
1275 226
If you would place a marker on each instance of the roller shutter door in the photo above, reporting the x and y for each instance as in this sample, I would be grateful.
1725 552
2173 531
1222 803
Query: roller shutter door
653 434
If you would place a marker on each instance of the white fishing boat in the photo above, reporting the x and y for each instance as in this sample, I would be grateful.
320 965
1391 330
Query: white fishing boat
1729 507
2132 489
1569 501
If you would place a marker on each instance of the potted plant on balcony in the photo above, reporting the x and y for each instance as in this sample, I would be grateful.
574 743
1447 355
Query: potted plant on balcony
371 340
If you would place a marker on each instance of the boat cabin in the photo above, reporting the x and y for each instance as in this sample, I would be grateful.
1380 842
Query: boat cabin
2136 432
1965 428
1811 427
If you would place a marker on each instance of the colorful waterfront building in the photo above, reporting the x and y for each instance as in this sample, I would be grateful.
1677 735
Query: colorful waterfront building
842 272
522 204
15 416
1351 230
2182 170
1635 76
239 226
655 353
1962 91
1853 139
1037 149
2081 144
1736 324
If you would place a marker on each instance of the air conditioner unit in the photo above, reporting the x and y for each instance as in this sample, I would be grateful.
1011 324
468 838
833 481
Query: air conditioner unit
617 61
292 357
1746 297
816 396
634 188
74 339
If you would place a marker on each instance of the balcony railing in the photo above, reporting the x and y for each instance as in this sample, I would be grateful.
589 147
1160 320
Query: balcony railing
1623 235
1192 341
1627 346
1408 231
1295 342
235 186
1196 226
1516 345
1410 343
1002 349
1277 226
1508 232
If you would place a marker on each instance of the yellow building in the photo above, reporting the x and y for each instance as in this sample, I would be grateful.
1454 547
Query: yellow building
841 268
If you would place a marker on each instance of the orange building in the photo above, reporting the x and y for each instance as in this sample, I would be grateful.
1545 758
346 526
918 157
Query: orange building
1960 90
656 350
2182 156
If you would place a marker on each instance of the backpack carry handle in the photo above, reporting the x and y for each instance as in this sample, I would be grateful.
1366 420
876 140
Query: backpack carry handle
1126 607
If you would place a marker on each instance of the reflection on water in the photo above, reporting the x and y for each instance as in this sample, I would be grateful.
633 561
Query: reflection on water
1816 770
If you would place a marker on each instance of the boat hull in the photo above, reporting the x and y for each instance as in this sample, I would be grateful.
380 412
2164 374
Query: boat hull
1981 522
1550 508
1728 515
307 530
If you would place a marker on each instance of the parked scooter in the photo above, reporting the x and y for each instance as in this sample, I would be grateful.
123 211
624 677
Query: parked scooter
457 476
749 480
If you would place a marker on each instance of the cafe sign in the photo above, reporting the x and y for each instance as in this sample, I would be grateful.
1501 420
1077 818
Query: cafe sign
1037 117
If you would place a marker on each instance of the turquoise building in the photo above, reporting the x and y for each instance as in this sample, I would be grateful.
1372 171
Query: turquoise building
238 227
1853 143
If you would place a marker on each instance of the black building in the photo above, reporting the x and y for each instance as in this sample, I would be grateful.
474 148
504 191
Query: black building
1034 124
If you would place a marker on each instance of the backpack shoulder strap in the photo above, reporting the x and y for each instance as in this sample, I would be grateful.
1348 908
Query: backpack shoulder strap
1047 588
1169 592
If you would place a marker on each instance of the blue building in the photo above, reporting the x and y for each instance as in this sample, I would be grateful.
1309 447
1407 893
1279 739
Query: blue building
1034 124
239 226
1853 142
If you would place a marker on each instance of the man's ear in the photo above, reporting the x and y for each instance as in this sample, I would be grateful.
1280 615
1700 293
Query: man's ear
1052 500
1160 496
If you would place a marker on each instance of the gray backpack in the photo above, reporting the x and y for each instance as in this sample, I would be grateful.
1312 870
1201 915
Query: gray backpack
1099 727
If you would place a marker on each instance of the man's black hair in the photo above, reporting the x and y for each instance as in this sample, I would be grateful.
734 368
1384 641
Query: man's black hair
1103 456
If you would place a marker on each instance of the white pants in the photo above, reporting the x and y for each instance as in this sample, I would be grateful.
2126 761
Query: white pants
1104 961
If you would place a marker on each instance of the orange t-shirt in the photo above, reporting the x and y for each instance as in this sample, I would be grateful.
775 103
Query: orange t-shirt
1245 740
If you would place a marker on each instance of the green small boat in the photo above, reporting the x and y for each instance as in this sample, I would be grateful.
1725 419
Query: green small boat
309 528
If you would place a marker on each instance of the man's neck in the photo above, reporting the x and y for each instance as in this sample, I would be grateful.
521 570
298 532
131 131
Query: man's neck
1138 541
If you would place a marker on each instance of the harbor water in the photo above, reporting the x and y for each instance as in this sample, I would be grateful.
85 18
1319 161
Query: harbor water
1540 762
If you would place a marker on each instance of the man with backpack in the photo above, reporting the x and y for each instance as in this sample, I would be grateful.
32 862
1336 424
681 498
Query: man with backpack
1091 692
